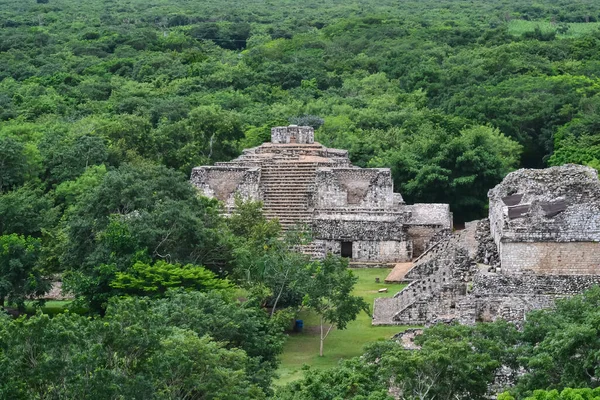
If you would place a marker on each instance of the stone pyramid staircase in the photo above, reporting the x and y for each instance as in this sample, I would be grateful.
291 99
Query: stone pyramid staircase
285 191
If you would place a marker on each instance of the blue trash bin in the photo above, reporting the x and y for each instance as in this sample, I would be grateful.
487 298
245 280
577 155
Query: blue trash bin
299 325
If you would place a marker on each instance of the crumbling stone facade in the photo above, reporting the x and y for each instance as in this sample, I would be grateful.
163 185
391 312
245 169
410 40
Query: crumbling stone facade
351 211
541 242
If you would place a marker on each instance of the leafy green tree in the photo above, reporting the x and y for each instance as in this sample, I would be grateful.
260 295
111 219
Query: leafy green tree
577 141
238 325
67 156
154 280
328 294
434 165
562 345
134 352
26 211
350 379
268 262
142 213
207 135
13 163
565 394
20 276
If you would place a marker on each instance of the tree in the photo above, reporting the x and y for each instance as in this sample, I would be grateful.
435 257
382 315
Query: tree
137 213
328 293
267 262
134 352
155 279
20 277
26 211
13 163
563 345
436 164
451 362
207 135
238 325
565 394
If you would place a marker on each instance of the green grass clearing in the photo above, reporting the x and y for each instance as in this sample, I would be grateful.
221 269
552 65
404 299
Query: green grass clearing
518 27
303 348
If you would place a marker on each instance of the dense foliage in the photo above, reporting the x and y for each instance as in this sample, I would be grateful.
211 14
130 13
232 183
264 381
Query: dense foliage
450 94
188 345
556 350
105 106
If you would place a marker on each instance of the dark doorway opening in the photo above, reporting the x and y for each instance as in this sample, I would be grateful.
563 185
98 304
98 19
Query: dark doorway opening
347 249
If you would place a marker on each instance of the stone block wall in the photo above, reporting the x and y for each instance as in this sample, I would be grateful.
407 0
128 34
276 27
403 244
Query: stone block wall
384 309
384 251
559 258
429 214
354 187
224 182
425 222
421 237
558 204
498 284
292 134
357 225
512 308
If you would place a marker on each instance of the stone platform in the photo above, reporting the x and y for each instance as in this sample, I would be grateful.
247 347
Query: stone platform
351 211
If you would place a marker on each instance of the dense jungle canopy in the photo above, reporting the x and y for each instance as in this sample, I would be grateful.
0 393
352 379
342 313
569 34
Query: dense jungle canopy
450 94
107 105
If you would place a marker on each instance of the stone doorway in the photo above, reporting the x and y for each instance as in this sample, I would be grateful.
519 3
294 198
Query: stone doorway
347 249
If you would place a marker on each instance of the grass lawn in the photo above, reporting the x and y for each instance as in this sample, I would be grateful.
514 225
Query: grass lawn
303 348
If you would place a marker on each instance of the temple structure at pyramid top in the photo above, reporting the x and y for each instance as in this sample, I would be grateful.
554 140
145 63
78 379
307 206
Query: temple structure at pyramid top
352 211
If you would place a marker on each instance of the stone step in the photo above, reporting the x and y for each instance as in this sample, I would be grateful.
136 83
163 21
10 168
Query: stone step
287 183
284 199
275 178
290 213
279 195
283 196
283 207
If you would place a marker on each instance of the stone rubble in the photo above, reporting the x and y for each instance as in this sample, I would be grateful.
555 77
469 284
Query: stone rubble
510 263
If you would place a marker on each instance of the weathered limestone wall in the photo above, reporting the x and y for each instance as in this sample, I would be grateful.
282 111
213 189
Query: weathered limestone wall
421 237
574 258
354 187
558 204
385 251
384 309
440 279
375 236
224 182
293 134
508 307
357 225
498 284
429 214
425 222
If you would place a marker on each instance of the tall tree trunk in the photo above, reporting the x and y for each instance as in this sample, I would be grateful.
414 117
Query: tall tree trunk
322 339
279 294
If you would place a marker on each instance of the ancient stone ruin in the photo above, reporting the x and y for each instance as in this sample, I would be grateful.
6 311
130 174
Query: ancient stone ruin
540 242
351 211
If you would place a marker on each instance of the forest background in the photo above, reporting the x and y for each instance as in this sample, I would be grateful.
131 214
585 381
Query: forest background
105 106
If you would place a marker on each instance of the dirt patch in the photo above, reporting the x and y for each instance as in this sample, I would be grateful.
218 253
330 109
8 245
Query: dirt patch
398 273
